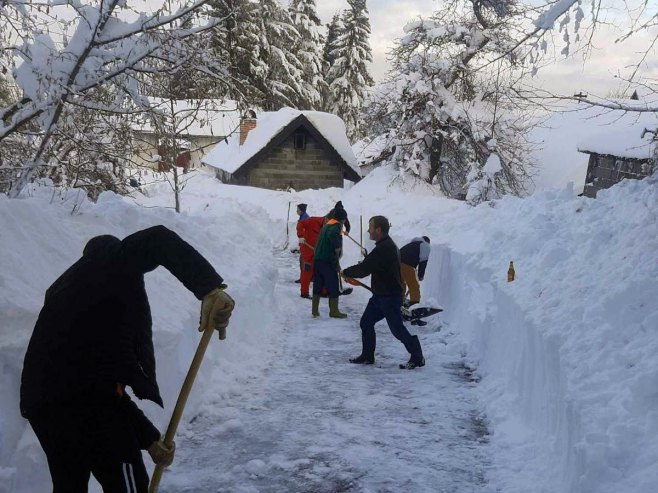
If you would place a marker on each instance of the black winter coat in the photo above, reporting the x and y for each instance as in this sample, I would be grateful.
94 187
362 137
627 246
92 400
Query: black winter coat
94 329
383 264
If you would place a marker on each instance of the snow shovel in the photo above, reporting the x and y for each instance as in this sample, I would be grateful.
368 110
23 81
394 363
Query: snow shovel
340 285
285 245
364 252
355 282
182 398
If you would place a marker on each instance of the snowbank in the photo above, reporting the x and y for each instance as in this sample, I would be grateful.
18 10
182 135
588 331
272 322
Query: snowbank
41 238
567 354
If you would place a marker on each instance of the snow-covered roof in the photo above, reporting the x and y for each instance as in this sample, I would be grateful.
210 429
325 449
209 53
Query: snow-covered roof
199 117
229 156
625 141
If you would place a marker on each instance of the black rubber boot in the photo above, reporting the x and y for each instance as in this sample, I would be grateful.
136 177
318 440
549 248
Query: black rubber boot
362 360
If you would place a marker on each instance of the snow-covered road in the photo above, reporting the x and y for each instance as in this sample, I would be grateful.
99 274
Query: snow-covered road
313 422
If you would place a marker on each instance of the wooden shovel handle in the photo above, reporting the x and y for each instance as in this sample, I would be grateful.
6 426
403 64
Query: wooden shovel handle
182 399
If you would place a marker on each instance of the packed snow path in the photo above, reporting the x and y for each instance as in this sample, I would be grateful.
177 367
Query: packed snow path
313 422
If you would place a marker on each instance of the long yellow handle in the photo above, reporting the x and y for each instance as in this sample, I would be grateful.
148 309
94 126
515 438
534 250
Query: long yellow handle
182 399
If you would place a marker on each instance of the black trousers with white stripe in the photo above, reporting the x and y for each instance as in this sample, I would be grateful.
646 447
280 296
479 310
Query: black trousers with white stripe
92 439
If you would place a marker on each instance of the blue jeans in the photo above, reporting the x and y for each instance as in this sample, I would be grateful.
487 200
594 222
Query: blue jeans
388 307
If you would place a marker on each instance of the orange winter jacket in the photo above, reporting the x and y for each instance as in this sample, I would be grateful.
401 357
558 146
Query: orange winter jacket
308 230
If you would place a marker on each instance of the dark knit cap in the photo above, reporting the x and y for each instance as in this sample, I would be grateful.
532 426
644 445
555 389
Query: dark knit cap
426 239
302 207
339 205
340 214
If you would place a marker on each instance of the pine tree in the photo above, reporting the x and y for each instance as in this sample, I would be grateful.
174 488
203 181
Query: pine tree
308 51
334 29
279 71
235 44
349 75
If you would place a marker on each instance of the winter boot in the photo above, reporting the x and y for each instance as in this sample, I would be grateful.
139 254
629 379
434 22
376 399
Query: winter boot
333 309
416 360
315 306
362 360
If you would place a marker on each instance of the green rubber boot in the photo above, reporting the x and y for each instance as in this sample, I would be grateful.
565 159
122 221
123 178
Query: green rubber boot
315 306
333 309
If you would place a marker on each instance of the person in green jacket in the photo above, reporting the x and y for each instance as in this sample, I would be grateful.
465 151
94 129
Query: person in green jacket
328 251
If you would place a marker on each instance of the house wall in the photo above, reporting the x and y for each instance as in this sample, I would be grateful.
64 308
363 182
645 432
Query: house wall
146 146
300 169
603 171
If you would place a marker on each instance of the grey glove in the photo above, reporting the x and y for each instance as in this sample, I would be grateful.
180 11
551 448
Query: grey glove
161 454
216 309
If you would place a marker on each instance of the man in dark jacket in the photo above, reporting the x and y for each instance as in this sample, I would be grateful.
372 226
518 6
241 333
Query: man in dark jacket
91 340
414 254
383 264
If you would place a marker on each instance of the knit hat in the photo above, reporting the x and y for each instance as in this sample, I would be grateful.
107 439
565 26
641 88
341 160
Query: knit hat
302 207
340 214
339 205
426 239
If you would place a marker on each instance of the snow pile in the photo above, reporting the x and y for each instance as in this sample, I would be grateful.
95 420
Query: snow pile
567 353
41 238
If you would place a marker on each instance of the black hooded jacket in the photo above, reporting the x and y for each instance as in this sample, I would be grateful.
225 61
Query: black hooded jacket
383 264
94 329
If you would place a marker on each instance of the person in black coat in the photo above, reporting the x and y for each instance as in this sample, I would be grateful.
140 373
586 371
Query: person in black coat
383 264
91 340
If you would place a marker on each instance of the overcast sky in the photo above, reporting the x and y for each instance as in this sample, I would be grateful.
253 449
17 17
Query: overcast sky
596 76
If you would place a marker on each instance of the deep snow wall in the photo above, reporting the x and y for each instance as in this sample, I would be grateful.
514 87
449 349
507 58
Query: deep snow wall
521 386
568 352
40 237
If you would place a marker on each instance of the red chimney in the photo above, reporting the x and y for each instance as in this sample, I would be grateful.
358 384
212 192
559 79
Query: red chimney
247 124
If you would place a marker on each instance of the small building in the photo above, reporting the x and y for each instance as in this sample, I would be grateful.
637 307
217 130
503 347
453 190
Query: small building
622 152
180 132
286 149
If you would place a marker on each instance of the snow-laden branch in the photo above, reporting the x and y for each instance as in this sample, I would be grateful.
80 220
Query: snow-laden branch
101 48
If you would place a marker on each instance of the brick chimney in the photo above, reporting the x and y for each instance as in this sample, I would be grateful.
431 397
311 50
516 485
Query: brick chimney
247 124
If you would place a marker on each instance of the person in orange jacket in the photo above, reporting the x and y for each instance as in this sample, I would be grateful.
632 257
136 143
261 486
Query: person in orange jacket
307 234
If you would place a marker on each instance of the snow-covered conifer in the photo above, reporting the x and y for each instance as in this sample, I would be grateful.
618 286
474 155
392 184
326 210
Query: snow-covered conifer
349 76
279 72
309 51
235 44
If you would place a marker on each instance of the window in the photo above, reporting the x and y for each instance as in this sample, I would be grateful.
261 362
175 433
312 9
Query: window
300 141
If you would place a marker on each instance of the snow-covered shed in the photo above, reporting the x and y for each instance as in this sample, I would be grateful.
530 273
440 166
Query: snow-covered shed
284 149
181 132
623 151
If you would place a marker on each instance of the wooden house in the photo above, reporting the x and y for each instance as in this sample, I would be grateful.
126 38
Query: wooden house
622 152
286 149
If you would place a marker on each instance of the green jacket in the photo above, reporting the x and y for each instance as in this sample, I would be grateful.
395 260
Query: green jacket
329 240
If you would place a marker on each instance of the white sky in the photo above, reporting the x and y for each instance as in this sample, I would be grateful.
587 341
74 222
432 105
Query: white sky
596 76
